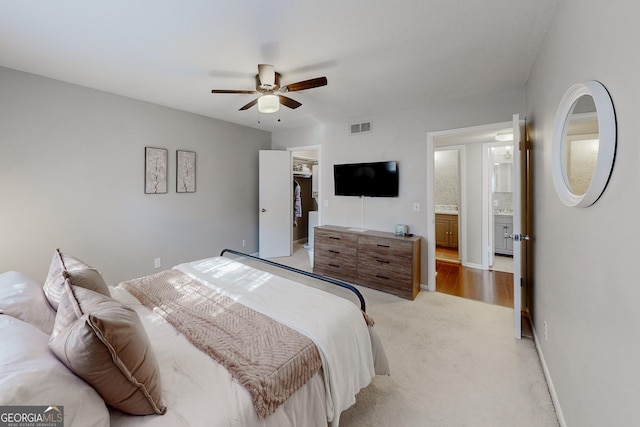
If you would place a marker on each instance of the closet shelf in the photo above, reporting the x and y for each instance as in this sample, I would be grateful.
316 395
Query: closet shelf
309 160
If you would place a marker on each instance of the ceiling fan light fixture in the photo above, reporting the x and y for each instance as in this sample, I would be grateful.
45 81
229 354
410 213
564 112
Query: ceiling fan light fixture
268 104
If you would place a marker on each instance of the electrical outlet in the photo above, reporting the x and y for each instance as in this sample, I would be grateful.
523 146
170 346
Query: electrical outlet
157 263
545 330
244 243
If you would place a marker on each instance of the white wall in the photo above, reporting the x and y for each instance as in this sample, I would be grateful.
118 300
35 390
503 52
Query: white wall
586 283
72 175
397 136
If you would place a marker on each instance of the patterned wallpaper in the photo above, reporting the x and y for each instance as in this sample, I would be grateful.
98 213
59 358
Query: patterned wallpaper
502 202
447 178
581 163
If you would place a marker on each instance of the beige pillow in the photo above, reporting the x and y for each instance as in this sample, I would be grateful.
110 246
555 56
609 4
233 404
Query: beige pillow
64 266
105 344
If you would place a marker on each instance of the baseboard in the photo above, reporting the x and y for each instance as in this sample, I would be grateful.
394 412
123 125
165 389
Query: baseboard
472 265
547 376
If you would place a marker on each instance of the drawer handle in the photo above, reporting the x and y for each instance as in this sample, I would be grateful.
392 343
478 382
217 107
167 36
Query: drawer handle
383 246
334 252
379 276
334 265
334 238
382 261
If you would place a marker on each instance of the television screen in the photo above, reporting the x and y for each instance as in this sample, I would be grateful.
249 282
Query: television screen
378 179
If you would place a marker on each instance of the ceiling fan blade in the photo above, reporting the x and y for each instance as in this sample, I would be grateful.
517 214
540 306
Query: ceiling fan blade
288 102
251 92
249 105
306 84
267 75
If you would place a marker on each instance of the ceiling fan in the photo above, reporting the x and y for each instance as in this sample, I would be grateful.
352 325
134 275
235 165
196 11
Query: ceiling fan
271 93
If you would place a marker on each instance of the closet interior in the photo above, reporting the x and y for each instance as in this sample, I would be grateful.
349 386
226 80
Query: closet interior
305 196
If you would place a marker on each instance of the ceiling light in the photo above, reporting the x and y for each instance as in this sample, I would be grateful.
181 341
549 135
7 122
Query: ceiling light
268 104
504 137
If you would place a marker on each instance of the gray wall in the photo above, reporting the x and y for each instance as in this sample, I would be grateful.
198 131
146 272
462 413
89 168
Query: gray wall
71 176
586 260
397 136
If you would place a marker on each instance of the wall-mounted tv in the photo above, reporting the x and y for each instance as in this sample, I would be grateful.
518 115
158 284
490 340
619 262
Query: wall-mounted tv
379 179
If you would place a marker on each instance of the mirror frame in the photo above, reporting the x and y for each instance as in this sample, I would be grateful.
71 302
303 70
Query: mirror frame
606 149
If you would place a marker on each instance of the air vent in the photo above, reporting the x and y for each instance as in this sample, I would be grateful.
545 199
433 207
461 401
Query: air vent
359 128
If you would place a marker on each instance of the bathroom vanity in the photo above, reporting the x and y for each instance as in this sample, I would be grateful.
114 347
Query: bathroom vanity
503 225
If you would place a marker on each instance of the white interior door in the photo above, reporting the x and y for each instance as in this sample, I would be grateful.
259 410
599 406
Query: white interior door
275 204
519 220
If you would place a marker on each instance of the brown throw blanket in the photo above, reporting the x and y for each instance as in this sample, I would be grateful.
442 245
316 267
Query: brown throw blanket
268 358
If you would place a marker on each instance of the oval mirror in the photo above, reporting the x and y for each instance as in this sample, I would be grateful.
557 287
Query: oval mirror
584 144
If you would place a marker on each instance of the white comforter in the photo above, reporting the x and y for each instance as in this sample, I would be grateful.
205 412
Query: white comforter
199 391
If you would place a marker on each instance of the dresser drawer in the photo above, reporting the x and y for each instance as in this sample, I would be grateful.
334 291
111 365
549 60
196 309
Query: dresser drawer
339 268
336 238
382 275
385 246
337 252
391 262
384 280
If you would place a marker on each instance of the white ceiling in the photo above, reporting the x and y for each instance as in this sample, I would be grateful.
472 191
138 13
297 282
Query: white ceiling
378 55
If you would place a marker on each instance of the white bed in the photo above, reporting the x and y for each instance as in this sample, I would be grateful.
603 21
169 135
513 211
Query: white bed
198 391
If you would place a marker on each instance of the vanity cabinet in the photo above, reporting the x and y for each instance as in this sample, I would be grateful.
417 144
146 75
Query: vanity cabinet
375 259
446 230
503 224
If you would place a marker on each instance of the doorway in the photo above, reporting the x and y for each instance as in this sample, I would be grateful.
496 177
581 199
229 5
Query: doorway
498 166
306 197
475 216
280 213
483 134
448 202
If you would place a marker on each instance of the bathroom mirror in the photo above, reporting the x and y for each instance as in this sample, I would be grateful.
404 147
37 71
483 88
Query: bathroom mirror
584 144
502 177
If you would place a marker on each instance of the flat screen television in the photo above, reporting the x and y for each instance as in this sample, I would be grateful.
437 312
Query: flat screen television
379 179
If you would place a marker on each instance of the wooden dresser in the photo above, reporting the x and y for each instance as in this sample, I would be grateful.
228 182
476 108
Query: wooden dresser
375 259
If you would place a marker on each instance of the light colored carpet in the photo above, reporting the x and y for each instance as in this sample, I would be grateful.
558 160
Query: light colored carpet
454 362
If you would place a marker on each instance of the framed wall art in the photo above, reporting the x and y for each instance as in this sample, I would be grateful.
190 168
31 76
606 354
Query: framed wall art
185 171
155 170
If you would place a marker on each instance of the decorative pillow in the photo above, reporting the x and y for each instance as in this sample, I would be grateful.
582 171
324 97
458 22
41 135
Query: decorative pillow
104 343
31 375
22 297
65 266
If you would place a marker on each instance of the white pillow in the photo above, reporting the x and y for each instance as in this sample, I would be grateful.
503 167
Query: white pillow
30 374
23 298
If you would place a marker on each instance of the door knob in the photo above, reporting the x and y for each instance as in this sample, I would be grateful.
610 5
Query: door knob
517 237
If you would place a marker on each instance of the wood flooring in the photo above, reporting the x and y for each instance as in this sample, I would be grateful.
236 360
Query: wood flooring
493 287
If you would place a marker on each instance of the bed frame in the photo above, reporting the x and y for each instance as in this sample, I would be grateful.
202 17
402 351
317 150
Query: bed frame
363 305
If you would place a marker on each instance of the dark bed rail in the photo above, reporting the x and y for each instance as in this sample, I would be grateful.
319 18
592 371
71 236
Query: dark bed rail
363 305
